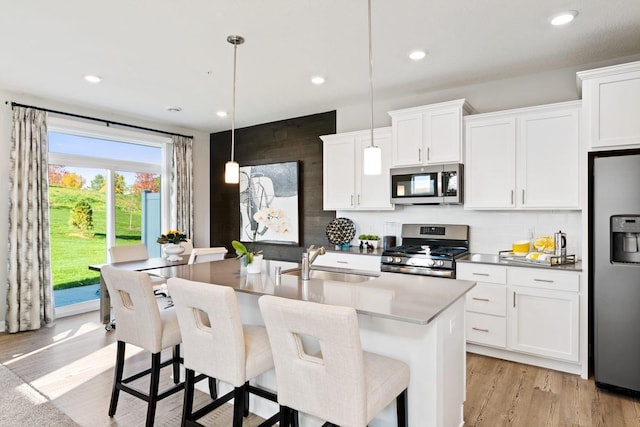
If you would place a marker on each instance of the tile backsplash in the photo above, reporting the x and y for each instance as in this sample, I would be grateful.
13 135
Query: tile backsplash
490 231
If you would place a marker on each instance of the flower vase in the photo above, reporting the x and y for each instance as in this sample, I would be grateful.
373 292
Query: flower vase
256 265
172 251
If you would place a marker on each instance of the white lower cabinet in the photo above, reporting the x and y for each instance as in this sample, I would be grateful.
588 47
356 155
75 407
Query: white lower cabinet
544 322
486 307
520 310
348 260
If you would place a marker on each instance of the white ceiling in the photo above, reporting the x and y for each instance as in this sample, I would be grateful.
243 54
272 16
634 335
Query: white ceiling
158 53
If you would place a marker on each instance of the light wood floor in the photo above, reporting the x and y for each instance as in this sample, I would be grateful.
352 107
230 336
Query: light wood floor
72 364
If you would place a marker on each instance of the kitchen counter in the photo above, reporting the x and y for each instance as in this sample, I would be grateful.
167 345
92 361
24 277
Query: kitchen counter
417 319
402 297
496 260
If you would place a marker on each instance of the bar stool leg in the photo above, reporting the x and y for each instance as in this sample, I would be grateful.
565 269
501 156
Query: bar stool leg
213 388
401 408
176 364
238 406
117 378
246 399
284 416
187 409
153 388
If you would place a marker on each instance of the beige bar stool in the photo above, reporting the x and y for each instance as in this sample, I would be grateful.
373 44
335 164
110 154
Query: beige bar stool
207 254
341 384
143 324
218 345
125 253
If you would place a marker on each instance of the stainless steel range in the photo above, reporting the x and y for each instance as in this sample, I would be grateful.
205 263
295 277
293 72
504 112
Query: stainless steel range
428 250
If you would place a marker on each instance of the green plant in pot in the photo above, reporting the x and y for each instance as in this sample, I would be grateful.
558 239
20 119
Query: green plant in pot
243 254
371 239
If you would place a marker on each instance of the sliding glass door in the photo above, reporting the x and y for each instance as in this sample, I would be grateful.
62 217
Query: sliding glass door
99 195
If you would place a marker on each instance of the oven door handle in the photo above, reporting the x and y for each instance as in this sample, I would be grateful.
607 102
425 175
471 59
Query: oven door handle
440 184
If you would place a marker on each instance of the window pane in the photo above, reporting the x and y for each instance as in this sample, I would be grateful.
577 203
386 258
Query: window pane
138 209
102 148
77 212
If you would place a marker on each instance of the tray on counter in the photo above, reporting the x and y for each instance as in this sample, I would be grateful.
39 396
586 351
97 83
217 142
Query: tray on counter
549 259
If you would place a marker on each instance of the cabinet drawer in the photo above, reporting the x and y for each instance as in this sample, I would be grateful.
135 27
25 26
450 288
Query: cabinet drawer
486 329
488 299
545 279
481 273
353 261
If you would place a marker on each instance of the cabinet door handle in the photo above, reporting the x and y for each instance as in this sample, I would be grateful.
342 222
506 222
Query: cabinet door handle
419 155
523 196
480 299
543 280
352 200
480 329
342 262
428 154
358 200
514 298
481 274
511 196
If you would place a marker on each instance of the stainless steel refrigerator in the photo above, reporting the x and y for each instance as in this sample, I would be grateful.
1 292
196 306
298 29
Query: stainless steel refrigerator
615 229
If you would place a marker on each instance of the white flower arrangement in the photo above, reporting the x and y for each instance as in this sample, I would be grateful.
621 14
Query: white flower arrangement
274 219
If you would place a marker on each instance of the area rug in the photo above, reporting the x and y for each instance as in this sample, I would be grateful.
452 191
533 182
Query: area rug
22 405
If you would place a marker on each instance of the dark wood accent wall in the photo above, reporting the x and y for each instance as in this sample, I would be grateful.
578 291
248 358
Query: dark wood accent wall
282 141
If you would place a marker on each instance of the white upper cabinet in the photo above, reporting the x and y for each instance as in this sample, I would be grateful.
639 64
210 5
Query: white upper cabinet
428 134
345 186
490 177
524 159
611 98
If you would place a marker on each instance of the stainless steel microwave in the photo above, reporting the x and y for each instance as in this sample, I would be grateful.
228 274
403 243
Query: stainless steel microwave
427 185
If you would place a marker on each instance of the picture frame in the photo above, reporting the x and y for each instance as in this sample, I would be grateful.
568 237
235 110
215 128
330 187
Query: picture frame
269 203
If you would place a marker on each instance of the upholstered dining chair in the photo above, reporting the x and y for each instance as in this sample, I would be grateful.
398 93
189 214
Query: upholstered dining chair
207 254
124 253
143 324
340 384
217 344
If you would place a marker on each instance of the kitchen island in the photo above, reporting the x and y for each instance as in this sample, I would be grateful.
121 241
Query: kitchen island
416 319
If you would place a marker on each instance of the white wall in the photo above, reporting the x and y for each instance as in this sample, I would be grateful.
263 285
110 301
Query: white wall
201 171
515 92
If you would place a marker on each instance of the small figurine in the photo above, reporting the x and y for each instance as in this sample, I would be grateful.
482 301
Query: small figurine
361 245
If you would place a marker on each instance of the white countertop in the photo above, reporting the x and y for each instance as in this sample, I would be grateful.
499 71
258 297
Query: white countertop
403 297
496 260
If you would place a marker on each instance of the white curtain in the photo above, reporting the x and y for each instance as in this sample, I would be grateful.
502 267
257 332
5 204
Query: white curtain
182 185
30 291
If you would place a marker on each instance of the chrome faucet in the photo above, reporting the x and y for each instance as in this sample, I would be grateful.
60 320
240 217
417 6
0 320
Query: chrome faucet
308 257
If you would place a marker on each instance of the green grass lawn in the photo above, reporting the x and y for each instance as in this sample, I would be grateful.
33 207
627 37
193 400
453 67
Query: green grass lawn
72 251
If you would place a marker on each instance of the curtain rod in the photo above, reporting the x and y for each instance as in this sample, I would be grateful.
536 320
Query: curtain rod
107 122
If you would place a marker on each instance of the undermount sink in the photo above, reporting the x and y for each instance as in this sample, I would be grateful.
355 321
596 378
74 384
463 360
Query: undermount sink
337 276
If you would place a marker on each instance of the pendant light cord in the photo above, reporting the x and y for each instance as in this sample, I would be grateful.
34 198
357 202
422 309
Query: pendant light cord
370 72
233 114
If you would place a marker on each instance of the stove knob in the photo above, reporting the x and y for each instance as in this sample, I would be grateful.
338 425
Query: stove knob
430 262
440 263
388 259
397 259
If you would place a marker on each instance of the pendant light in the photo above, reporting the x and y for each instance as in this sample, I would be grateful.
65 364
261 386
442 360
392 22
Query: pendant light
372 158
232 168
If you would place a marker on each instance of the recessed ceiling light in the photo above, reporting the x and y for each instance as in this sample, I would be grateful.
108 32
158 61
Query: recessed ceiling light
317 80
563 18
174 109
417 55
221 113
91 78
